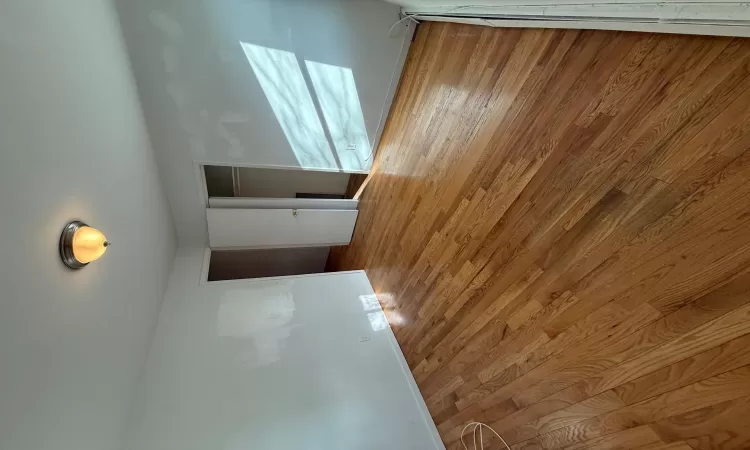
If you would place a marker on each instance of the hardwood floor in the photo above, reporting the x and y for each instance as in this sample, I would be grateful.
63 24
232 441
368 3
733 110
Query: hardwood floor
558 226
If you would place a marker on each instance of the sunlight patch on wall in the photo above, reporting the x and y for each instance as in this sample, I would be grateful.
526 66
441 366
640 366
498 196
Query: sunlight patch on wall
337 94
284 85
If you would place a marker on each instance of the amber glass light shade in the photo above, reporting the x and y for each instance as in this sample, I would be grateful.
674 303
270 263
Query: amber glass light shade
81 244
89 244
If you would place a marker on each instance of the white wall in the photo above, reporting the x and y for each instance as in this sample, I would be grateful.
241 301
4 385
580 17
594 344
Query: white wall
261 83
73 145
290 363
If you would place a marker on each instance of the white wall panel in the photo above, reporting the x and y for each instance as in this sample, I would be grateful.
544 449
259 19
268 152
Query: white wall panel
263 228
306 362
283 203
261 83
73 145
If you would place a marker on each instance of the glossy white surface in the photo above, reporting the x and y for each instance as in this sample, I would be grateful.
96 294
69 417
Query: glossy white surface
285 83
262 228
73 145
283 203
289 363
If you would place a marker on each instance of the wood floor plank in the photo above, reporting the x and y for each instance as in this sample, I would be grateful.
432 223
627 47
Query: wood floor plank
671 446
620 344
722 341
557 225
716 360
624 440
709 392
722 426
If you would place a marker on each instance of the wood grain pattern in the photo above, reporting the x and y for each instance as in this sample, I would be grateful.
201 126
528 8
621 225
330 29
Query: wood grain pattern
558 227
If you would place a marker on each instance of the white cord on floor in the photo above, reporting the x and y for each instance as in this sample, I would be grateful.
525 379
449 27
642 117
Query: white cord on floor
478 426
406 17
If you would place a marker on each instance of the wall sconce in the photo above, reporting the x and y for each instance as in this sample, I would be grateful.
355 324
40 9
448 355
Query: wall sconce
80 244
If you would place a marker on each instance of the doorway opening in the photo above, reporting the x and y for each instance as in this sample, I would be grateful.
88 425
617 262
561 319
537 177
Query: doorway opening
251 182
226 265
270 222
